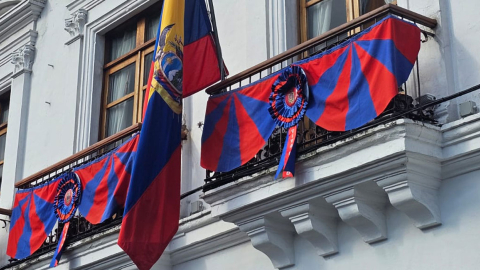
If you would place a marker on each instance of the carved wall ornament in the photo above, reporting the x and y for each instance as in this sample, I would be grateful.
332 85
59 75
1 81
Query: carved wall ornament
75 25
23 59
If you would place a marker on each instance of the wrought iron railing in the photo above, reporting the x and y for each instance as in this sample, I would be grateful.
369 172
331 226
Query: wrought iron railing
310 136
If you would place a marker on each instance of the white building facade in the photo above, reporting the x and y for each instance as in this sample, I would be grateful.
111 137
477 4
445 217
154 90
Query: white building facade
401 194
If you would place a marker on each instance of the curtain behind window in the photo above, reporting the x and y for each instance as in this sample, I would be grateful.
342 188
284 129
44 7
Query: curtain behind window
120 84
123 42
369 5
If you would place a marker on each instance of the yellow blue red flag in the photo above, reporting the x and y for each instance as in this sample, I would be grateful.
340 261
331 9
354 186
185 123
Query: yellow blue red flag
185 61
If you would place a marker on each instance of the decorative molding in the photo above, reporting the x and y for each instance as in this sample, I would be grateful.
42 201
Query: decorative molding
363 208
20 16
316 222
208 246
273 236
83 4
23 60
74 25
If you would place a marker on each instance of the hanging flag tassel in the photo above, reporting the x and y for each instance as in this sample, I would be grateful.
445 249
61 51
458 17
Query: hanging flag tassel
59 250
289 153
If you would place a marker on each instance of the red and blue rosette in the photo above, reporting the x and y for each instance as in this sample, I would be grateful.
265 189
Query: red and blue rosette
289 97
288 103
66 202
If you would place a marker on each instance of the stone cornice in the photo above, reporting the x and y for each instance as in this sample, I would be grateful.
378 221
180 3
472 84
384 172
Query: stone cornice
22 14
83 4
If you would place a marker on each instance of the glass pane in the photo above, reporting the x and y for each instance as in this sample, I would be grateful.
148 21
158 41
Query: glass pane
369 5
146 67
324 16
1 174
122 41
4 107
151 26
119 117
121 83
2 146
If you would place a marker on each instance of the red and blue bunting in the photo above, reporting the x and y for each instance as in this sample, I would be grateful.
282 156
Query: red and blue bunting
33 218
349 85
105 182
98 189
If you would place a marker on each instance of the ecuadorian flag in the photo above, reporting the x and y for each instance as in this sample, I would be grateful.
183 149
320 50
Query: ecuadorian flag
185 61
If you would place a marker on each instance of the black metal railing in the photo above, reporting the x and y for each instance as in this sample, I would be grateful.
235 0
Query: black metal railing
310 136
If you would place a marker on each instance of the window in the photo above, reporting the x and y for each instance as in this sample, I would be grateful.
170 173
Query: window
319 16
4 108
128 55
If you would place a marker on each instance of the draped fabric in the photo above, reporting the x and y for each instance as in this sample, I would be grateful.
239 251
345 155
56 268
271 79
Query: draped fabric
33 218
350 85
120 116
319 17
123 42
105 182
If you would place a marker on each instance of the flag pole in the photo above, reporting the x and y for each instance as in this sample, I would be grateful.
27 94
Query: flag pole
217 42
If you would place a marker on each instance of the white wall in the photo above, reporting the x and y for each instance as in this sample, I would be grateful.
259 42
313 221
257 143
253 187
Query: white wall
453 245
243 38
51 118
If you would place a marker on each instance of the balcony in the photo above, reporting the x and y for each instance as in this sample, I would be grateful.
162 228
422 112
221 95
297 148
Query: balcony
79 228
311 138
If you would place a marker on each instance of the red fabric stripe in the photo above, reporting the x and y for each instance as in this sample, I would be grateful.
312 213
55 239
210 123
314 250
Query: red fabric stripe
383 84
402 34
213 103
101 198
37 227
336 105
250 138
260 91
16 231
160 201
314 69
213 146
200 67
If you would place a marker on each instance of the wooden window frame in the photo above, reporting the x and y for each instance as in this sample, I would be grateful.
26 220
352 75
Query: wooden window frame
135 56
352 10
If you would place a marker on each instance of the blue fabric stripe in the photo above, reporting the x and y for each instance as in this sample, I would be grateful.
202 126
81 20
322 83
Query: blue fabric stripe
45 212
324 87
361 108
387 53
17 212
23 246
230 157
212 119
159 138
265 124
196 21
